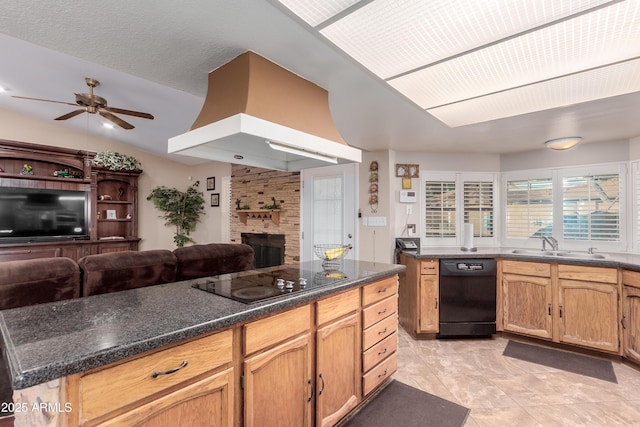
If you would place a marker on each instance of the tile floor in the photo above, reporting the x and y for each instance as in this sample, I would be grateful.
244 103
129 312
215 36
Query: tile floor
502 391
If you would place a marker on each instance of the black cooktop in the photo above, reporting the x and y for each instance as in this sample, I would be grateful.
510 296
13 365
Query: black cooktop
255 286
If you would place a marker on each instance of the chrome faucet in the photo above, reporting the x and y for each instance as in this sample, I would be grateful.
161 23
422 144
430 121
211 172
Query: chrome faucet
550 240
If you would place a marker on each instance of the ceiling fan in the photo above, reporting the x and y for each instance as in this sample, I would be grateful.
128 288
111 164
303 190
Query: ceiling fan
93 104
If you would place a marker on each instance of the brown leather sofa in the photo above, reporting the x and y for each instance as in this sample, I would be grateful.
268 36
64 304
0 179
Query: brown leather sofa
118 271
38 281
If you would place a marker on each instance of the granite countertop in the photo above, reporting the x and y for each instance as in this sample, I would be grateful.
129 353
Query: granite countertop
48 341
622 260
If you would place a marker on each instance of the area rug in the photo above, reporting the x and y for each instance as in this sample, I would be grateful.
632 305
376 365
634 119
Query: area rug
402 405
563 360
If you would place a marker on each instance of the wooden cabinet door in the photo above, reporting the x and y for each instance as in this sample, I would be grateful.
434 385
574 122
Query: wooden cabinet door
527 305
429 304
278 386
631 323
588 314
206 403
338 370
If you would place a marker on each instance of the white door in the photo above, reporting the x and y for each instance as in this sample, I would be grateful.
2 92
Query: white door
329 208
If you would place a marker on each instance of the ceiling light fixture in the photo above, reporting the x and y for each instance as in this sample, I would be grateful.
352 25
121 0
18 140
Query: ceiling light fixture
563 143
312 155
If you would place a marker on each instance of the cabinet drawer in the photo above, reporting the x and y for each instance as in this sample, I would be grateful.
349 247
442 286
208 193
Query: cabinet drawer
588 274
377 375
378 352
108 389
379 290
337 306
379 331
541 269
378 311
631 278
273 329
429 266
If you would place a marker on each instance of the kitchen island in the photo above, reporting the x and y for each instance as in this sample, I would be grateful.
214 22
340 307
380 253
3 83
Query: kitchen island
61 353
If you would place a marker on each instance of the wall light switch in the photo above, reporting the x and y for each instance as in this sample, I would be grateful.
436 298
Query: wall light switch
409 209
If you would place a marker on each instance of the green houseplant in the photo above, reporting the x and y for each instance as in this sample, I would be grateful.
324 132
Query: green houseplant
181 209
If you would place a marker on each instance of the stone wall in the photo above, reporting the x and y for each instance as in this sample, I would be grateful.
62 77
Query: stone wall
255 187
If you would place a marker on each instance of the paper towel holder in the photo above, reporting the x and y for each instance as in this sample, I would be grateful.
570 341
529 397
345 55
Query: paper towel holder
468 239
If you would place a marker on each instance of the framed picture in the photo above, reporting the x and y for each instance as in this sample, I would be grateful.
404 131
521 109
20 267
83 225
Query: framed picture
402 171
406 183
211 183
414 171
111 214
215 199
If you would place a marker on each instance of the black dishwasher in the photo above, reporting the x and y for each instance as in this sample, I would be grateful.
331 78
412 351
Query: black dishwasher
467 298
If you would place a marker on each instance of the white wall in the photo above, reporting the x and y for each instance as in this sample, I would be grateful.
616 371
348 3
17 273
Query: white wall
634 148
156 171
375 242
582 154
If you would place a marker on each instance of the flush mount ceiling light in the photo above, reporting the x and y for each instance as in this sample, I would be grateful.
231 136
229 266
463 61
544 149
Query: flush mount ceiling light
468 62
563 143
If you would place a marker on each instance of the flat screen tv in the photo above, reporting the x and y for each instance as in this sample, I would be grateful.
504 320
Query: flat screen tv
40 215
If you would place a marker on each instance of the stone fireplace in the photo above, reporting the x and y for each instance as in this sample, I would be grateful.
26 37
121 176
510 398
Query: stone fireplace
255 188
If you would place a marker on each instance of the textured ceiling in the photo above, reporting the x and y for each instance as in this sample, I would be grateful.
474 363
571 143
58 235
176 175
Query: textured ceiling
154 56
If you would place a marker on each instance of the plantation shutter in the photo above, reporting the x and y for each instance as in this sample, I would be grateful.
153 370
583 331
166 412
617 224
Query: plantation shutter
591 207
478 207
440 209
529 208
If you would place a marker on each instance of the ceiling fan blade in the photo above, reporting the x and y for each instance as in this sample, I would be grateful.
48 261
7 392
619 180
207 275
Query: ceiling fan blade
69 115
45 100
129 112
115 119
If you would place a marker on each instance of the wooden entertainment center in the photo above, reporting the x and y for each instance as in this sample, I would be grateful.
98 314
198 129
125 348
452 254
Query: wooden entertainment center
113 198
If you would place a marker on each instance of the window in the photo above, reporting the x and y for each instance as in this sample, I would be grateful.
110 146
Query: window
577 205
478 207
591 207
453 199
440 209
529 208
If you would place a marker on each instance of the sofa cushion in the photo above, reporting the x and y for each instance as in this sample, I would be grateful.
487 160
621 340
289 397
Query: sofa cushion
37 281
119 271
212 259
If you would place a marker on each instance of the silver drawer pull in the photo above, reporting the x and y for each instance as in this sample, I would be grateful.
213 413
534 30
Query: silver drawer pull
382 290
156 374
384 331
382 312
380 353
382 374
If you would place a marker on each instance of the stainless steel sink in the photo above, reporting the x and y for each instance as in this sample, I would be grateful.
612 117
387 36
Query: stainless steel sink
559 254
533 252
580 255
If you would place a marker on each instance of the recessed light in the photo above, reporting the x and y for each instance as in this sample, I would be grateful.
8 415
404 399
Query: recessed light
2 89
238 157
563 143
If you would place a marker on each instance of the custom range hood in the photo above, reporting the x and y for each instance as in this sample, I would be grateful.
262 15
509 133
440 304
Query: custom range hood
257 113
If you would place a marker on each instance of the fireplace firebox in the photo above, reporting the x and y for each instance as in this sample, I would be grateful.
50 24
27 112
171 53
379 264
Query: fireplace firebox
268 248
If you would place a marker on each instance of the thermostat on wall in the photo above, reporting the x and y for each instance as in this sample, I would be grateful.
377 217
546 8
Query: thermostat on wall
408 196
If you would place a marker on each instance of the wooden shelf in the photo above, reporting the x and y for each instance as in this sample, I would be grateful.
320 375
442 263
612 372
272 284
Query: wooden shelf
272 214
115 202
43 177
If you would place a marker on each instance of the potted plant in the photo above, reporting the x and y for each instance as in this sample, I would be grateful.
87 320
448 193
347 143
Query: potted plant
181 209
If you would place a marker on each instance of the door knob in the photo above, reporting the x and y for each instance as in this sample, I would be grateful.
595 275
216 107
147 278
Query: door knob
349 235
